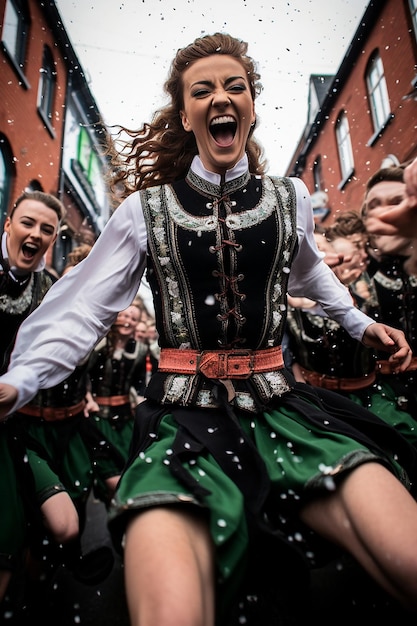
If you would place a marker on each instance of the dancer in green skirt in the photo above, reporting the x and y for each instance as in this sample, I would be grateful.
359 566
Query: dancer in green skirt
233 463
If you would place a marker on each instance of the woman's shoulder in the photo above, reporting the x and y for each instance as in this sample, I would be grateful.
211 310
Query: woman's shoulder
129 210
131 200
299 185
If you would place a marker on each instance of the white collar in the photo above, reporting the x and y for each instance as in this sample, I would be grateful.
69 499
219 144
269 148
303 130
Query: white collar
237 170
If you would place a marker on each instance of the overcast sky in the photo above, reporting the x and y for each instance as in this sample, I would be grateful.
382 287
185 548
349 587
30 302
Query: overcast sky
125 48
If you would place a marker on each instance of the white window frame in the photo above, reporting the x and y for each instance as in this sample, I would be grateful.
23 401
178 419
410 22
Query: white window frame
15 32
344 148
47 88
378 97
413 11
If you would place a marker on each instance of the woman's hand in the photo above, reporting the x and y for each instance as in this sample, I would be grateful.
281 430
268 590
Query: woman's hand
91 405
8 396
391 340
401 219
410 179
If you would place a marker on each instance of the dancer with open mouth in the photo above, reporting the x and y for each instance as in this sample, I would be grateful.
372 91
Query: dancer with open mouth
233 464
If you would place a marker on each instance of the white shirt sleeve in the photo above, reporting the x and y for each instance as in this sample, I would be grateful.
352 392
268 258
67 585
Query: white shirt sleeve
81 306
311 278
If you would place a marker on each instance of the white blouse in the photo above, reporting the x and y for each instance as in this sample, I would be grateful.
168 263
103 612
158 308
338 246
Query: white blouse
80 307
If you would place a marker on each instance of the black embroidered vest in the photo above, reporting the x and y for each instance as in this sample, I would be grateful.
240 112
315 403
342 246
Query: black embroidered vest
219 260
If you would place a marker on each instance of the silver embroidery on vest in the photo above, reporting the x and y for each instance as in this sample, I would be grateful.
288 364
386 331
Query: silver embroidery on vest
164 214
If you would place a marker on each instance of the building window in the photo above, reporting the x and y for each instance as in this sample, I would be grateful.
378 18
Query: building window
344 147
87 168
317 174
47 86
413 11
84 150
87 158
377 94
15 32
7 172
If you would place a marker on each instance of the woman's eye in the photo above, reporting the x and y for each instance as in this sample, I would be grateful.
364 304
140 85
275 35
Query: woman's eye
200 93
238 87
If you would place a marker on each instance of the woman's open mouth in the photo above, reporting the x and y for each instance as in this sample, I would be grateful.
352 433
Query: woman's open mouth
29 250
223 130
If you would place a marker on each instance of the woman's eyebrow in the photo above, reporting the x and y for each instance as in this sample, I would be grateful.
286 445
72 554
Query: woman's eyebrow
201 82
210 83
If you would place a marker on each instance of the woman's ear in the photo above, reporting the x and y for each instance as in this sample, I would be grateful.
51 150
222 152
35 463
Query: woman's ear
185 122
7 223
253 115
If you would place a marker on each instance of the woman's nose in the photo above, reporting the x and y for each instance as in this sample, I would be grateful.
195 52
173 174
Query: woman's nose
220 98
36 231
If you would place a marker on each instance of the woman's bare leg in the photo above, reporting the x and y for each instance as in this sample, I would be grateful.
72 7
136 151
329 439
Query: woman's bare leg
111 484
374 517
169 569
5 577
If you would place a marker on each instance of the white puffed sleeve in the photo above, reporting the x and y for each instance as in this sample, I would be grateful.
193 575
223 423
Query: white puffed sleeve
310 277
81 306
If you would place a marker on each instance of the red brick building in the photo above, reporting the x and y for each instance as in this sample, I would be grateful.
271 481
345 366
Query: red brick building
366 114
32 137
51 135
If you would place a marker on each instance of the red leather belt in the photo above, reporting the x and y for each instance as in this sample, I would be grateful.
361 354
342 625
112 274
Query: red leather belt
112 400
52 414
384 367
221 364
338 384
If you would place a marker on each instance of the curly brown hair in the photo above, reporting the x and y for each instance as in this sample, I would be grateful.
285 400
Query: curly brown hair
161 151
346 223
79 253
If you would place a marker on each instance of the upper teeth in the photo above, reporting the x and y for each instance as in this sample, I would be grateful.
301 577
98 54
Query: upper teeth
224 119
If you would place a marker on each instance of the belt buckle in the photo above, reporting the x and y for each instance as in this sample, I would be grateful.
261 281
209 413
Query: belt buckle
226 364
239 364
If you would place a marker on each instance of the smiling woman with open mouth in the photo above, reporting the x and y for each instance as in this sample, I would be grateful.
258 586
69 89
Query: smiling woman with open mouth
231 459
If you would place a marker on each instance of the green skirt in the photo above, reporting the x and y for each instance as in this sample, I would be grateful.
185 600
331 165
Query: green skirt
291 452
118 432
68 455
12 518
382 400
